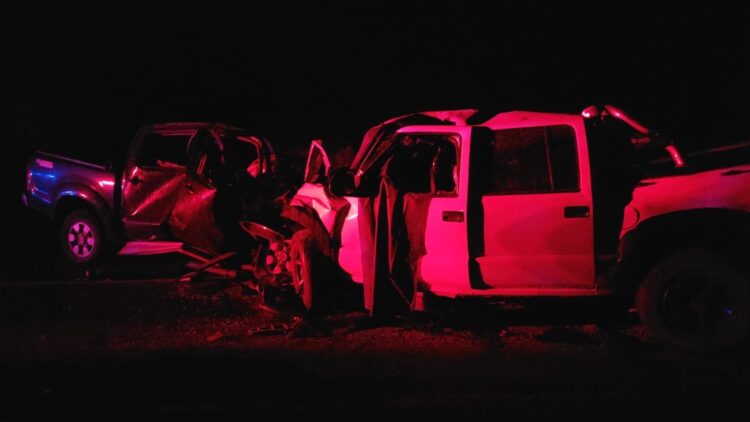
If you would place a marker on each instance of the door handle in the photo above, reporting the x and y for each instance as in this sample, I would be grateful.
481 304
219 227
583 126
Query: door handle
582 211
453 216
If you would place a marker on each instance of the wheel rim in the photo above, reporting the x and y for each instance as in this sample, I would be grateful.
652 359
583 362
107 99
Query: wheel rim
705 305
81 239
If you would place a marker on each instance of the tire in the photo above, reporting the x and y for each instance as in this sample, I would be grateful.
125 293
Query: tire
304 257
696 300
82 239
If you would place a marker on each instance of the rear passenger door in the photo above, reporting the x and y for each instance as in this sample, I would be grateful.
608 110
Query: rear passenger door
153 180
538 222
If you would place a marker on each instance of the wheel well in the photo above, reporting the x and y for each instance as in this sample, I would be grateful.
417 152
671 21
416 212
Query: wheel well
723 231
68 204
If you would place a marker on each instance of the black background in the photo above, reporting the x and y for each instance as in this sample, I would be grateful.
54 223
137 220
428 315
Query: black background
81 81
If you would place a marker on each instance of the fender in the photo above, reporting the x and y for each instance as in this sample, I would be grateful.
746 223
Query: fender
723 230
69 196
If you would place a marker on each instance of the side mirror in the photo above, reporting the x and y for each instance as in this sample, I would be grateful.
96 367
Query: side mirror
341 182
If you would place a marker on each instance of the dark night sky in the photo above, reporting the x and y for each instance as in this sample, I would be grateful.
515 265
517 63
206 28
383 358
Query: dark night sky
84 80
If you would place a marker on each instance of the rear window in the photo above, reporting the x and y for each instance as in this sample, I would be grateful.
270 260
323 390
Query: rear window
535 160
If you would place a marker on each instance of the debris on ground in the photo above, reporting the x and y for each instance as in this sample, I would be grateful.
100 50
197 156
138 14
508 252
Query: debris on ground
303 327
269 329
266 308
250 287
577 334
215 336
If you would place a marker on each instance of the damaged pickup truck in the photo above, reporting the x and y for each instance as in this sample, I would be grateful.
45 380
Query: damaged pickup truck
528 204
183 188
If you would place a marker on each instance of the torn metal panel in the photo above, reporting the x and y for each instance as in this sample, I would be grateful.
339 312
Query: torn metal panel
318 164
148 200
328 208
193 218
231 180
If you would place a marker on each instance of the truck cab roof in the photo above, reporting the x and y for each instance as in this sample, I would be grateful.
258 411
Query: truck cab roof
192 126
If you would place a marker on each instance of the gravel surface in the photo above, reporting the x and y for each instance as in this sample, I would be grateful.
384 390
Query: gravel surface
138 349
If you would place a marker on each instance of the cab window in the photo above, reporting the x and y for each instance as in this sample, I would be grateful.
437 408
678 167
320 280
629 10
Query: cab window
164 150
534 160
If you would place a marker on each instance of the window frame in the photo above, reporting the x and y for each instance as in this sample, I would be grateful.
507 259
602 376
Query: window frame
455 139
549 163
137 158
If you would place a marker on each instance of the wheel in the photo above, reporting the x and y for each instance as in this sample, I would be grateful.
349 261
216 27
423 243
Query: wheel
303 258
695 300
82 239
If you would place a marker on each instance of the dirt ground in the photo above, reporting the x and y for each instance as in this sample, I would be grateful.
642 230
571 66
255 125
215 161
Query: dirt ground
153 349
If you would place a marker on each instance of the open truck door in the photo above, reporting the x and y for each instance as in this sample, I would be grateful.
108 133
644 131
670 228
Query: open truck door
224 171
193 218
417 226
153 180
436 203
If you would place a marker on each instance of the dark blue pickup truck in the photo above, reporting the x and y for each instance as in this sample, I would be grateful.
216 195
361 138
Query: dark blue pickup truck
164 197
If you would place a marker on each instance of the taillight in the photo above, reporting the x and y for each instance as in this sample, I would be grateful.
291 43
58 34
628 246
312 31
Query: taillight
28 180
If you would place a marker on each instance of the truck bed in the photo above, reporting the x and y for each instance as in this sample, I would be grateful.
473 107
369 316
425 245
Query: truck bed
50 176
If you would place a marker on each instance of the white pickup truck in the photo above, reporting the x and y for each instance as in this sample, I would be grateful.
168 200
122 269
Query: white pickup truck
511 207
